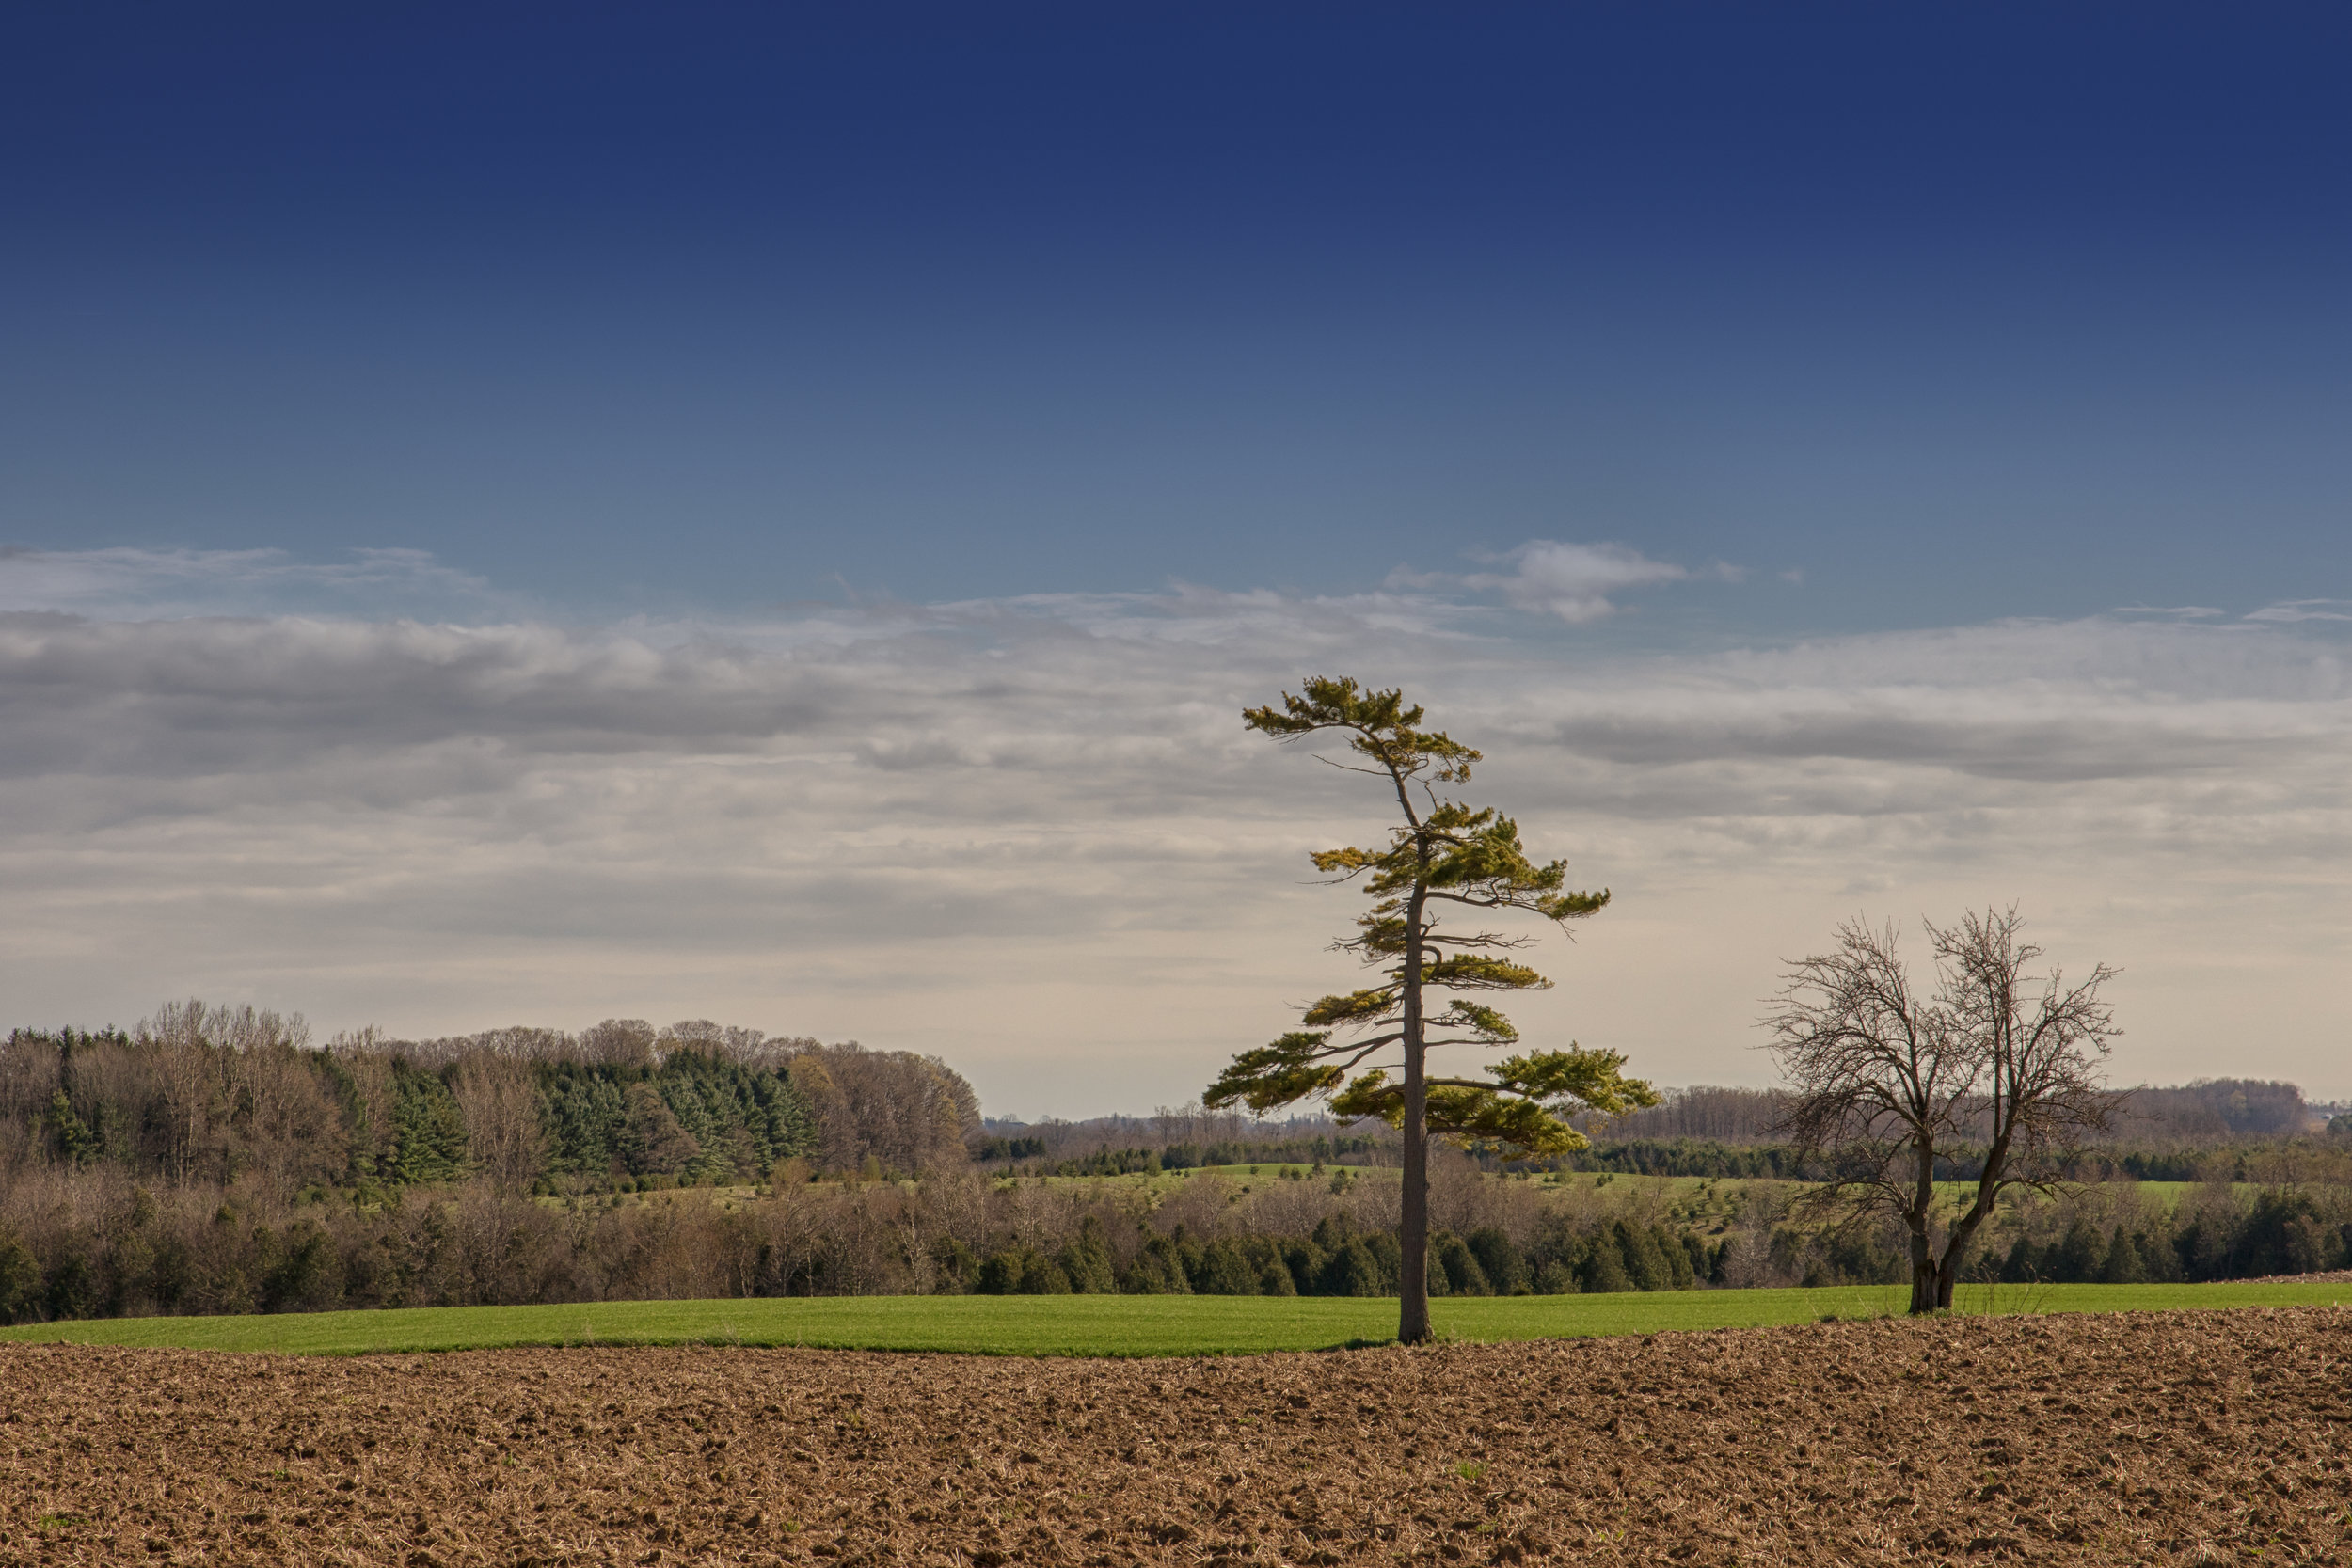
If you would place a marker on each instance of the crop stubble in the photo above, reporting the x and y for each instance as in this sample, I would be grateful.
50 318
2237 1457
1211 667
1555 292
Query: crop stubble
2190 1436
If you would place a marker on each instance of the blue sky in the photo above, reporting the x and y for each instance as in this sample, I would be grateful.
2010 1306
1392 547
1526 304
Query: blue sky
1960 311
532 513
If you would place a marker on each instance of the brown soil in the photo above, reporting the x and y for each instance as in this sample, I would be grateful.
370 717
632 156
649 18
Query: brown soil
2189 1437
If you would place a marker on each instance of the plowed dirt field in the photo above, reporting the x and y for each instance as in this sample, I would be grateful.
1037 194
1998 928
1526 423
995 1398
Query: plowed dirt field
2192 1437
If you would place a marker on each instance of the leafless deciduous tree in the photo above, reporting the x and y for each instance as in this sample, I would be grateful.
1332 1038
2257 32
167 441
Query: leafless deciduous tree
909 1113
1885 1079
500 1102
1730 1116
229 1076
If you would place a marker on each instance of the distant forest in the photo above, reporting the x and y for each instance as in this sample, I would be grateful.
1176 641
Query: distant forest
2209 1127
216 1160
218 1095
2211 1110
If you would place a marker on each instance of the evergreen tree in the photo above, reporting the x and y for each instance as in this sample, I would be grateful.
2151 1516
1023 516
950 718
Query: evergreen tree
2078 1255
1352 1271
2124 1265
1041 1276
723 1121
2159 1262
1443 856
1604 1270
1226 1271
585 1115
19 1281
1305 1261
1680 1275
1157 1271
654 1142
1643 1261
428 1133
1022 1272
1503 1264
76 1143
1460 1265
1088 1261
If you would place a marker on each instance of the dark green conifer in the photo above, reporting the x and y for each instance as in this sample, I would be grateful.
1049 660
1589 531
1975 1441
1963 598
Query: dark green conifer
1604 1270
2124 1265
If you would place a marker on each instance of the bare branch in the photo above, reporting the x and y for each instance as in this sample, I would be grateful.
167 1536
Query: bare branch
1884 1080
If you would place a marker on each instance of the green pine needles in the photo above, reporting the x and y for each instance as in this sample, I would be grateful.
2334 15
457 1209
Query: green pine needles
1443 859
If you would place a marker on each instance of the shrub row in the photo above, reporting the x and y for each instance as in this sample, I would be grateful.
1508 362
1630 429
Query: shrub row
1338 1261
2284 1233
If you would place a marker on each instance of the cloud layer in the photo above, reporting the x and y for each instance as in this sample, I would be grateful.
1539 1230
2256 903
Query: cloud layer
1032 836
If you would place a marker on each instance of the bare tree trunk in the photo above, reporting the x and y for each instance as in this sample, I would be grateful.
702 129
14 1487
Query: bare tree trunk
1924 1272
1412 1318
1955 1254
1927 1280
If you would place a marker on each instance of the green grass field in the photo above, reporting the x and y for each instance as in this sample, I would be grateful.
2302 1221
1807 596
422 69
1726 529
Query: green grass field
1101 1325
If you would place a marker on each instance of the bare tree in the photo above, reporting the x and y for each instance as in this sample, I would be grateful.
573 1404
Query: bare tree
1884 1080
366 1064
1706 1111
620 1042
284 1114
910 1112
500 1101
188 1081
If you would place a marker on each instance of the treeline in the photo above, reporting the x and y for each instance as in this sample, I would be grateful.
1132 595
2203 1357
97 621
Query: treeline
2112 1233
2208 1111
209 1097
1700 1157
1029 1155
99 1241
2096 1237
1181 1137
1335 1259
214 1159
2180 1133
1684 1157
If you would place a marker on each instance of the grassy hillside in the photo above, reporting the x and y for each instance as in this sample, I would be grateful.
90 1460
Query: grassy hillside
1102 1325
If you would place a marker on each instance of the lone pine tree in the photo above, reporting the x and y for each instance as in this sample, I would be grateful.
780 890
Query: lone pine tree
1442 858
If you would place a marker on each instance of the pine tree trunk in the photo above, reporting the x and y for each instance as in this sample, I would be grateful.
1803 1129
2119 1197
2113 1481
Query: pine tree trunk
1412 1325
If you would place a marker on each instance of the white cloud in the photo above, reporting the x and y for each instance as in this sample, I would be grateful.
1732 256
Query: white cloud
1032 834
2304 609
1575 581
126 581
